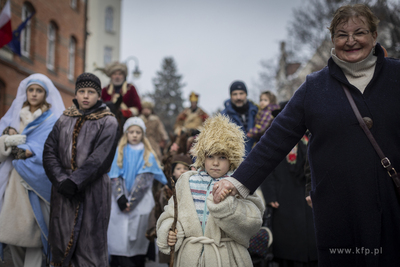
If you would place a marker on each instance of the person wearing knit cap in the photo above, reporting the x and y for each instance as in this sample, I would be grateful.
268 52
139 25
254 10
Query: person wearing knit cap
241 110
156 132
192 117
119 87
210 234
77 155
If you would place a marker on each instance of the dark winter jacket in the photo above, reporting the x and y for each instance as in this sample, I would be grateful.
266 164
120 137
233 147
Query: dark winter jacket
250 118
292 222
87 210
354 201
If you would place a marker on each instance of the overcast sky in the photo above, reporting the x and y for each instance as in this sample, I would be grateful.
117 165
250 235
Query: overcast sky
213 42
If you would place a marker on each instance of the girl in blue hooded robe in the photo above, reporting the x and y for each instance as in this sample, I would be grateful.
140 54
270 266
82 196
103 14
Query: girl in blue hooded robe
133 170
24 186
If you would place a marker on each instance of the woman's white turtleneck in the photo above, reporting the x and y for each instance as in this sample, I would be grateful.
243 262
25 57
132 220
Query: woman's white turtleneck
360 73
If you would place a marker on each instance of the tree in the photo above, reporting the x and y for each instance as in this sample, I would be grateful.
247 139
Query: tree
309 40
167 95
308 29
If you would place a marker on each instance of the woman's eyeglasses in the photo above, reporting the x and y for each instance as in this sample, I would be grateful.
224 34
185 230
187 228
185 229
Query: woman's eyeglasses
356 35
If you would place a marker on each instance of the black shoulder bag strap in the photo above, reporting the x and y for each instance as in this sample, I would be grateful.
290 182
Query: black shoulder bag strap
384 160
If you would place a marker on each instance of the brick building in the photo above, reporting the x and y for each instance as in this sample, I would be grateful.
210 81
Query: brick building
53 43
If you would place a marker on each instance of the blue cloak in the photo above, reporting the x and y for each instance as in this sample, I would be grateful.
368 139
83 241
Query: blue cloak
133 165
31 169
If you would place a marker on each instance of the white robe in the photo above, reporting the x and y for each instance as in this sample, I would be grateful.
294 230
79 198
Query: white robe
126 231
235 219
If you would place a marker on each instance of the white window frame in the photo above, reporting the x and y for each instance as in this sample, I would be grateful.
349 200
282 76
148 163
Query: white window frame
108 55
109 19
26 32
71 58
51 45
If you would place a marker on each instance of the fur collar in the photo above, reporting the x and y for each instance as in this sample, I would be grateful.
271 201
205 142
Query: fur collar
98 113
27 116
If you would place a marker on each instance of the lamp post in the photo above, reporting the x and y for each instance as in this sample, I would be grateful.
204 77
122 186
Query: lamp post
136 72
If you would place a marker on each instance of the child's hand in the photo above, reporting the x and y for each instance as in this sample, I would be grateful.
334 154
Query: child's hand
224 193
172 238
12 131
127 209
222 189
28 153
248 135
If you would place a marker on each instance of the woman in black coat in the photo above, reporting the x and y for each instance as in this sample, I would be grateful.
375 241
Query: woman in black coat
356 211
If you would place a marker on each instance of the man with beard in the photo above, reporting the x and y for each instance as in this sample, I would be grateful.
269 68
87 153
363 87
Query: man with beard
241 111
119 87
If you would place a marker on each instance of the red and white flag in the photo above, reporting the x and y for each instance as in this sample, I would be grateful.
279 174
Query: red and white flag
5 25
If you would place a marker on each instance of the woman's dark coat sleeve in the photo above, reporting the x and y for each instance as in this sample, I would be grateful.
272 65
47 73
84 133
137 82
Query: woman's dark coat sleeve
284 133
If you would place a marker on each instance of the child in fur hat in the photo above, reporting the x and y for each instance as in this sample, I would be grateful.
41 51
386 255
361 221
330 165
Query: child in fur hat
220 235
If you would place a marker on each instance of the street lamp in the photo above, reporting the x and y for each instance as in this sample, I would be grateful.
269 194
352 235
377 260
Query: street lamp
136 71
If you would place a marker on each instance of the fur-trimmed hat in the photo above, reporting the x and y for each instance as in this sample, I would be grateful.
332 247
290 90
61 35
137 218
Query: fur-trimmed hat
147 104
114 66
86 80
219 136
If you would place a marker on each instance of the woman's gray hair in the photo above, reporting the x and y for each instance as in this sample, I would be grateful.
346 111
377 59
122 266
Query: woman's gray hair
344 13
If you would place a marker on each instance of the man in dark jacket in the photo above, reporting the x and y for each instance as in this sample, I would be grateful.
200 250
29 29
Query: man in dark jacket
241 111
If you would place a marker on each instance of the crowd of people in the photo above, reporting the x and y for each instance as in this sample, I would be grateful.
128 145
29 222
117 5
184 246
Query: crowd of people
101 183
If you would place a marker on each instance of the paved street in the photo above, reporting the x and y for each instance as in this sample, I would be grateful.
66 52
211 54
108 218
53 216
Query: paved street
8 261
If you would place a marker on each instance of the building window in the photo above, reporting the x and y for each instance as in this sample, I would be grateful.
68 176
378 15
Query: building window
107 55
71 58
51 45
26 32
109 19
74 4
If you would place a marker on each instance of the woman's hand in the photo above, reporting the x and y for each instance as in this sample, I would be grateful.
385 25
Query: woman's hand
222 189
309 202
172 238
274 204
28 153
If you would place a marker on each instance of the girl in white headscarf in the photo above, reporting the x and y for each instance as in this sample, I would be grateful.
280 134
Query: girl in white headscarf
24 186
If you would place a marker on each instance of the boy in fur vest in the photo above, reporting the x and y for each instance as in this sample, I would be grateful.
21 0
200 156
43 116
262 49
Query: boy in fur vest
77 156
220 235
